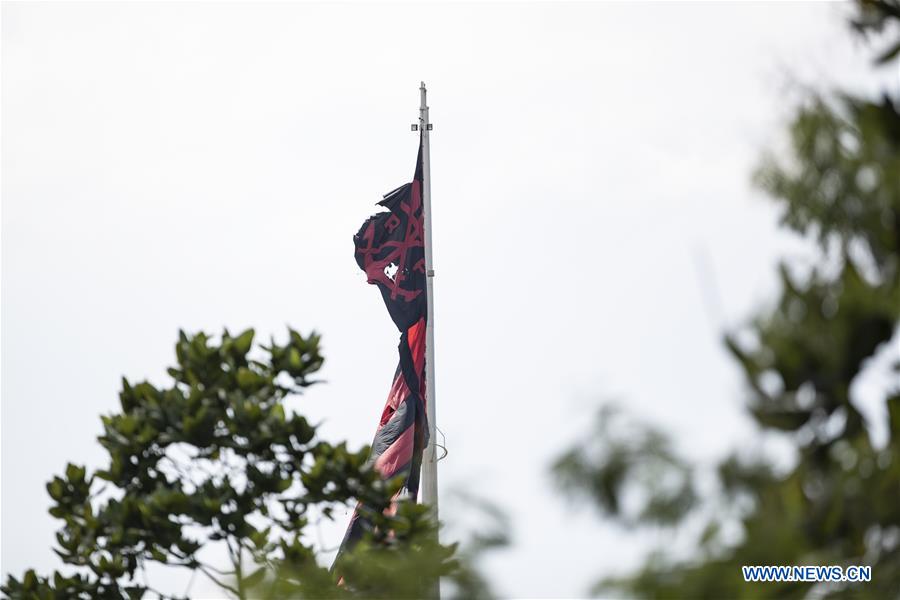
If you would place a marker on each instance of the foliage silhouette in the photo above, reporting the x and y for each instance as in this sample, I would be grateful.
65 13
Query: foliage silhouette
216 459
839 504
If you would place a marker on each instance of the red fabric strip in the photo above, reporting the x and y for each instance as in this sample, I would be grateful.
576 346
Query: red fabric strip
397 455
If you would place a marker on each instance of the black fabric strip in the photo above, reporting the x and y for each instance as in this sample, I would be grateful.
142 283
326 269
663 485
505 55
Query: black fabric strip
399 422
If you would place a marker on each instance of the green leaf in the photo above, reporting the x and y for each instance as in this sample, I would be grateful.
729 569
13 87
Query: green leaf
893 406
30 580
74 473
158 555
294 359
56 488
255 578
260 537
248 380
244 341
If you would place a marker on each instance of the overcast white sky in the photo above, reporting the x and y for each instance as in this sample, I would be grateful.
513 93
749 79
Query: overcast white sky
204 165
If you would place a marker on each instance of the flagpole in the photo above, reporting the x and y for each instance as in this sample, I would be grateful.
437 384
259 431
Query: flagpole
429 463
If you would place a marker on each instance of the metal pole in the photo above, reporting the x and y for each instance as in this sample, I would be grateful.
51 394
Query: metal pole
429 462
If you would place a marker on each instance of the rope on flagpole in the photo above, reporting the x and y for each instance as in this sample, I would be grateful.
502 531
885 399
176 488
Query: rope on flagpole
442 446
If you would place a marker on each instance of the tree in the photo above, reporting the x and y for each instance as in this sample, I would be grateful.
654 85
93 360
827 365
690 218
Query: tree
839 504
215 458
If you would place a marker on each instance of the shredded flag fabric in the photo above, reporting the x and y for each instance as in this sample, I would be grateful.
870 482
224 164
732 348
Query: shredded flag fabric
390 249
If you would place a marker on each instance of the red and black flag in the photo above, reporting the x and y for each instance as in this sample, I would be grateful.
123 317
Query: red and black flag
390 248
